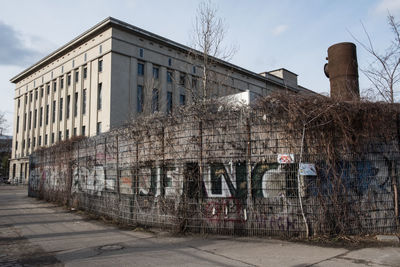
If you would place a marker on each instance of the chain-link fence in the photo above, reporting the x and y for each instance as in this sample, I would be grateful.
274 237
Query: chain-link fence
235 172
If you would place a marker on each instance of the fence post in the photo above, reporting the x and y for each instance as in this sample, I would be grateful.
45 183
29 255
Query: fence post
117 169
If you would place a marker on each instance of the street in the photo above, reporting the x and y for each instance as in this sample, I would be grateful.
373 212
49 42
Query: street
37 233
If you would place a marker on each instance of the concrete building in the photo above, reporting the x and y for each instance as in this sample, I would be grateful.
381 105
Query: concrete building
112 72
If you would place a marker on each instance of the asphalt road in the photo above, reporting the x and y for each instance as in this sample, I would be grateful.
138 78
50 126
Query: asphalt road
37 233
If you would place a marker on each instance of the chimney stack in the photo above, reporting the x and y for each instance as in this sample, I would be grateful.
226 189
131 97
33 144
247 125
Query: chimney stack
342 71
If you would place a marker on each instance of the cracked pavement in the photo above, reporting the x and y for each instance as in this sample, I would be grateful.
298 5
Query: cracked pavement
38 233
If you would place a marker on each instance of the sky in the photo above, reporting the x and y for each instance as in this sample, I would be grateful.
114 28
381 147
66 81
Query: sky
268 34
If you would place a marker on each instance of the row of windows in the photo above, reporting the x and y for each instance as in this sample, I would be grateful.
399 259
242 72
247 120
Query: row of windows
155 100
156 74
100 69
52 140
68 111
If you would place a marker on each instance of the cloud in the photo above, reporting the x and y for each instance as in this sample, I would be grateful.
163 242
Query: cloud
279 29
16 49
384 5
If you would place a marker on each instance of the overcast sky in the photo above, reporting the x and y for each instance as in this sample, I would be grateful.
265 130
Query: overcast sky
269 34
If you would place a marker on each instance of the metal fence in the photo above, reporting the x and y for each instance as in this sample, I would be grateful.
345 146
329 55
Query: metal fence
233 174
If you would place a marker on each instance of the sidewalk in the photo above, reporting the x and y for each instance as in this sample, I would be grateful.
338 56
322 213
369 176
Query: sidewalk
34 232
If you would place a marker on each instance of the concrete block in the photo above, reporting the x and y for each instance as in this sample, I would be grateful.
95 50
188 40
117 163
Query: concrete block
387 238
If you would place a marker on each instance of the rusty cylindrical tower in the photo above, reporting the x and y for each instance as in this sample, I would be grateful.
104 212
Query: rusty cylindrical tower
342 71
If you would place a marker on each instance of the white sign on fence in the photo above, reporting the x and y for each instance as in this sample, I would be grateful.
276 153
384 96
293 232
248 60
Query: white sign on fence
285 158
307 169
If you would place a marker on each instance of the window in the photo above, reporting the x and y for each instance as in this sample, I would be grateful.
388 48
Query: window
100 65
74 131
48 89
194 69
16 146
154 101
169 62
54 111
47 114
194 83
61 108
23 144
26 99
62 83
30 97
41 91
67 134
54 86
182 100
83 130
59 136
84 102
98 128
62 69
140 99
84 72
45 140
52 138
34 119
30 120
99 100
156 72
40 140
29 143
141 52
19 102
17 126
68 79
182 79
25 122
169 102
85 57
41 117
34 142
36 94
169 77
100 49
68 105
76 76
73 63
140 69
76 105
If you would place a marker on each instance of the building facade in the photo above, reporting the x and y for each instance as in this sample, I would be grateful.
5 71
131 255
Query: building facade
109 74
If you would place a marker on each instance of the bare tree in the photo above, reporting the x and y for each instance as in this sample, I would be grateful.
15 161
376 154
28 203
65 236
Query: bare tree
208 36
3 123
383 71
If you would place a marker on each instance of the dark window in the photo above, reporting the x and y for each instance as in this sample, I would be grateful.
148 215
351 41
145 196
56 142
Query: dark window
54 86
48 89
41 91
19 102
100 49
98 128
140 69
17 126
61 108
68 105
36 94
62 83
83 130
67 134
169 102
68 79
140 52
100 65
84 102
45 140
29 143
182 79
52 138
76 76
182 100
154 101
40 140
169 62
41 117
54 112
59 136
16 146
47 114
194 83
25 122
140 98
34 142
76 105
30 97
75 131
34 119
169 76
30 120
156 72
194 69
85 57
84 72
99 97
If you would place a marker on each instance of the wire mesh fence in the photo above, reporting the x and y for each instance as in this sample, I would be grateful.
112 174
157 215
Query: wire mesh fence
233 173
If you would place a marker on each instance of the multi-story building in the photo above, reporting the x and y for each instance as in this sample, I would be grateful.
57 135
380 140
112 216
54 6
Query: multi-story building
108 74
